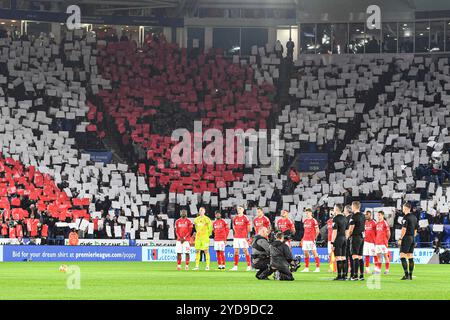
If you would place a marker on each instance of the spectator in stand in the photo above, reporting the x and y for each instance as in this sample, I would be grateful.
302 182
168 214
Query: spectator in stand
290 49
424 232
44 233
279 49
73 238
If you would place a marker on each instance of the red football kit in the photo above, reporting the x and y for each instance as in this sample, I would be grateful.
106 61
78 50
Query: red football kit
260 222
240 227
382 232
370 231
221 230
284 224
330 229
310 225
183 229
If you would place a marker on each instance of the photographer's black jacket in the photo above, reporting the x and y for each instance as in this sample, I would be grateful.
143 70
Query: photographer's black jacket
280 254
260 247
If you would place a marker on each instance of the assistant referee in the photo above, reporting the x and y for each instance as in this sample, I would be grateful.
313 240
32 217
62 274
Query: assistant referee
406 241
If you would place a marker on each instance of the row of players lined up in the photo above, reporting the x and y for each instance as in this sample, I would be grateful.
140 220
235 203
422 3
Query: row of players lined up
351 235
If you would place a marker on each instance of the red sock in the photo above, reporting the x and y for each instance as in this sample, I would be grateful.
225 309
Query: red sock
187 260
236 259
367 261
247 258
317 262
178 260
306 262
222 254
219 258
375 261
387 264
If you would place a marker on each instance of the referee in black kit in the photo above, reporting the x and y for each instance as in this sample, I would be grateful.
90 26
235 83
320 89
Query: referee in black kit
356 233
338 240
348 263
406 241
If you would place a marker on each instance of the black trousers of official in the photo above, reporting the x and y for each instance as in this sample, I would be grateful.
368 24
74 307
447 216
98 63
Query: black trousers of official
348 259
285 273
260 264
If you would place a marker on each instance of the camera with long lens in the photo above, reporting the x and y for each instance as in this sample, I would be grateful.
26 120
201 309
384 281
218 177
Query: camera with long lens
287 236
295 264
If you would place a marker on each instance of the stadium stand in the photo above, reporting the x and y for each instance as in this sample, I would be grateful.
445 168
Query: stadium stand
385 117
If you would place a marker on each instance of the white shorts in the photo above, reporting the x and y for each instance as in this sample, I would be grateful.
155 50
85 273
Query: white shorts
329 247
381 249
219 245
183 248
240 243
309 245
369 249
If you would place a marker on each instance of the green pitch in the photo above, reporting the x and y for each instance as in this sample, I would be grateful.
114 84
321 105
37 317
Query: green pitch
160 280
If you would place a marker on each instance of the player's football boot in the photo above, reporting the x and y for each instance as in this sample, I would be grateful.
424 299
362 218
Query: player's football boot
361 278
386 272
305 270
235 268
207 268
249 268
376 271
338 279
353 279
405 277
196 268
186 268
178 267
317 270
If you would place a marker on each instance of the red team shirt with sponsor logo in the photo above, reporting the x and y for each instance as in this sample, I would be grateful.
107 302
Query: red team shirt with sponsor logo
330 229
260 222
382 231
183 227
370 231
221 230
240 227
310 225
284 224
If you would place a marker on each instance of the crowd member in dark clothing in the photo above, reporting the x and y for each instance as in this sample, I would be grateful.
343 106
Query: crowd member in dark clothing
290 49
280 260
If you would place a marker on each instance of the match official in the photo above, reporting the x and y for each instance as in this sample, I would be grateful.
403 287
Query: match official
261 252
339 241
348 263
356 232
406 241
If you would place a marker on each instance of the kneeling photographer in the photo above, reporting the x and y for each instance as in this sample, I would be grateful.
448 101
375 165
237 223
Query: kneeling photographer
260 251
281 260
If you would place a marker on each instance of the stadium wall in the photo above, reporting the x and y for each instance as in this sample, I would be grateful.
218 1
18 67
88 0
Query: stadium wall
14 253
